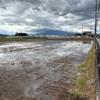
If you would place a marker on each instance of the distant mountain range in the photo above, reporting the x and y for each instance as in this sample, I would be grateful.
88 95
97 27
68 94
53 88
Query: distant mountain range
4 35
53 32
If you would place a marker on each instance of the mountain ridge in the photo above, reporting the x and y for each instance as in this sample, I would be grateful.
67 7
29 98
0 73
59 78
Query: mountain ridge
53 32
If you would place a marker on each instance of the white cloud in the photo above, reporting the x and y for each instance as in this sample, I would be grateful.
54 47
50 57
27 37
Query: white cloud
29 20
25 15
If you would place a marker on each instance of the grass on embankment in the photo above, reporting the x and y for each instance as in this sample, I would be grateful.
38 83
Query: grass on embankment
85 84
3 39
21 39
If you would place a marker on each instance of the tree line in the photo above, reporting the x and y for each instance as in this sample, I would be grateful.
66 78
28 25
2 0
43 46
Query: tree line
21 34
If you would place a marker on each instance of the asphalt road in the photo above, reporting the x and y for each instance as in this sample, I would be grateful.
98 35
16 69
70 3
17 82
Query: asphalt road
98 44
98 68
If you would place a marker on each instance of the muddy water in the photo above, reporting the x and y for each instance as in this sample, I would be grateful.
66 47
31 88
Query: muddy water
39 70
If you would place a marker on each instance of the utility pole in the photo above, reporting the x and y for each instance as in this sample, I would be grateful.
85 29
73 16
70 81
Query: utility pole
97 9
96 17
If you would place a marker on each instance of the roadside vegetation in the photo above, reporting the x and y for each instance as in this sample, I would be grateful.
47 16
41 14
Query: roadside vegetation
85 84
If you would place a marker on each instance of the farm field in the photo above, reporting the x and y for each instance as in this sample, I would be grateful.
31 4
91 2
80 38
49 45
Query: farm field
41 70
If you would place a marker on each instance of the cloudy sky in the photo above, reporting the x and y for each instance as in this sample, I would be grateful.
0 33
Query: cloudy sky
29 15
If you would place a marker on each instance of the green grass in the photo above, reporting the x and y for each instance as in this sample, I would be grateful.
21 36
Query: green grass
3 39
87 70
21 39
82 68
81 82
78 94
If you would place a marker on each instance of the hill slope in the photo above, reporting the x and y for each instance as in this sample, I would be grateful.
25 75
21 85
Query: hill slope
53 32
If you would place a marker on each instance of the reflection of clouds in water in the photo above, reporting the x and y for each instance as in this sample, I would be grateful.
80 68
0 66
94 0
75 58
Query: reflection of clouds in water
17 46
86 47
75 48
42 54
1 55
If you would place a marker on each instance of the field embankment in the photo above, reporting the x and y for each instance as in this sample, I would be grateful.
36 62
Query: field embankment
19 39
85 85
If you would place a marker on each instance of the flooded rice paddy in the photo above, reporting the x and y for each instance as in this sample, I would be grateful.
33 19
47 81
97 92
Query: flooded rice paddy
42 70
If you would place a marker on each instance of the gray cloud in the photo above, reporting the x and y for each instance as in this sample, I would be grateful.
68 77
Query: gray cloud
47 13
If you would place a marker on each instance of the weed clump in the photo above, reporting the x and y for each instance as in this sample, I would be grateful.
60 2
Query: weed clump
78 94
81 82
